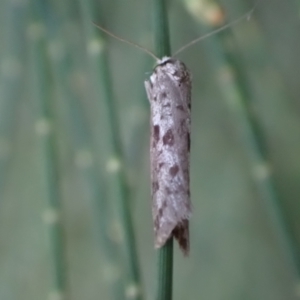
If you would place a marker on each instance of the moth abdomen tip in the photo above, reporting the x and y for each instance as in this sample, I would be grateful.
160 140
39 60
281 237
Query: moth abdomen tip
181 234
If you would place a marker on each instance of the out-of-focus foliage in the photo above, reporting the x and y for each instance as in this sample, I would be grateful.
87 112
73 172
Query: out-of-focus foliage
56 143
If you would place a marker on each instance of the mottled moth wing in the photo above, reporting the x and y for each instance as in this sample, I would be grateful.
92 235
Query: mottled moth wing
169 93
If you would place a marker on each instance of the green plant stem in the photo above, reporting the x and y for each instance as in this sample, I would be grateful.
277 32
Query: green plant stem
44 126
165 271
99 70
163 48
161 29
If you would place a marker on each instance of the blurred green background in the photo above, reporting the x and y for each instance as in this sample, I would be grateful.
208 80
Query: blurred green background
74 132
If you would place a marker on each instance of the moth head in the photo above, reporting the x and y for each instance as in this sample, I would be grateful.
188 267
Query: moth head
164 60
169 64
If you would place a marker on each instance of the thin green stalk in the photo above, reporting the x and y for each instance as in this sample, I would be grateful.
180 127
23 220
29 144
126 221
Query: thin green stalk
163 48
161 29
99 71
165 271
44 126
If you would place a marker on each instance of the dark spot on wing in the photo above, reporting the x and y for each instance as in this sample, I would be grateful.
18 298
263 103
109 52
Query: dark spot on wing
156 134
168 191
188 142
174 170
160 165
168 138
164 94
181 233
180 107
155 187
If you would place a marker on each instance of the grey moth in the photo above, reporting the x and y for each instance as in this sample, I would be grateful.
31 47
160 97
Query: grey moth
169 94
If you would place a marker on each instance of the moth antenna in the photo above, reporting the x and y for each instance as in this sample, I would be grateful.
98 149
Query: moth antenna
127 41
230 24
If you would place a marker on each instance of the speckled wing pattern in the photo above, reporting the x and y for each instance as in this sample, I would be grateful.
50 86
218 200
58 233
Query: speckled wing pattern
169 93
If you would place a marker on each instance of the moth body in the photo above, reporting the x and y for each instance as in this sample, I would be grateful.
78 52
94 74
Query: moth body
169 94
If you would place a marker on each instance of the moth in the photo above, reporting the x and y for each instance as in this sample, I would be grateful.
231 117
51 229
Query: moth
169 93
